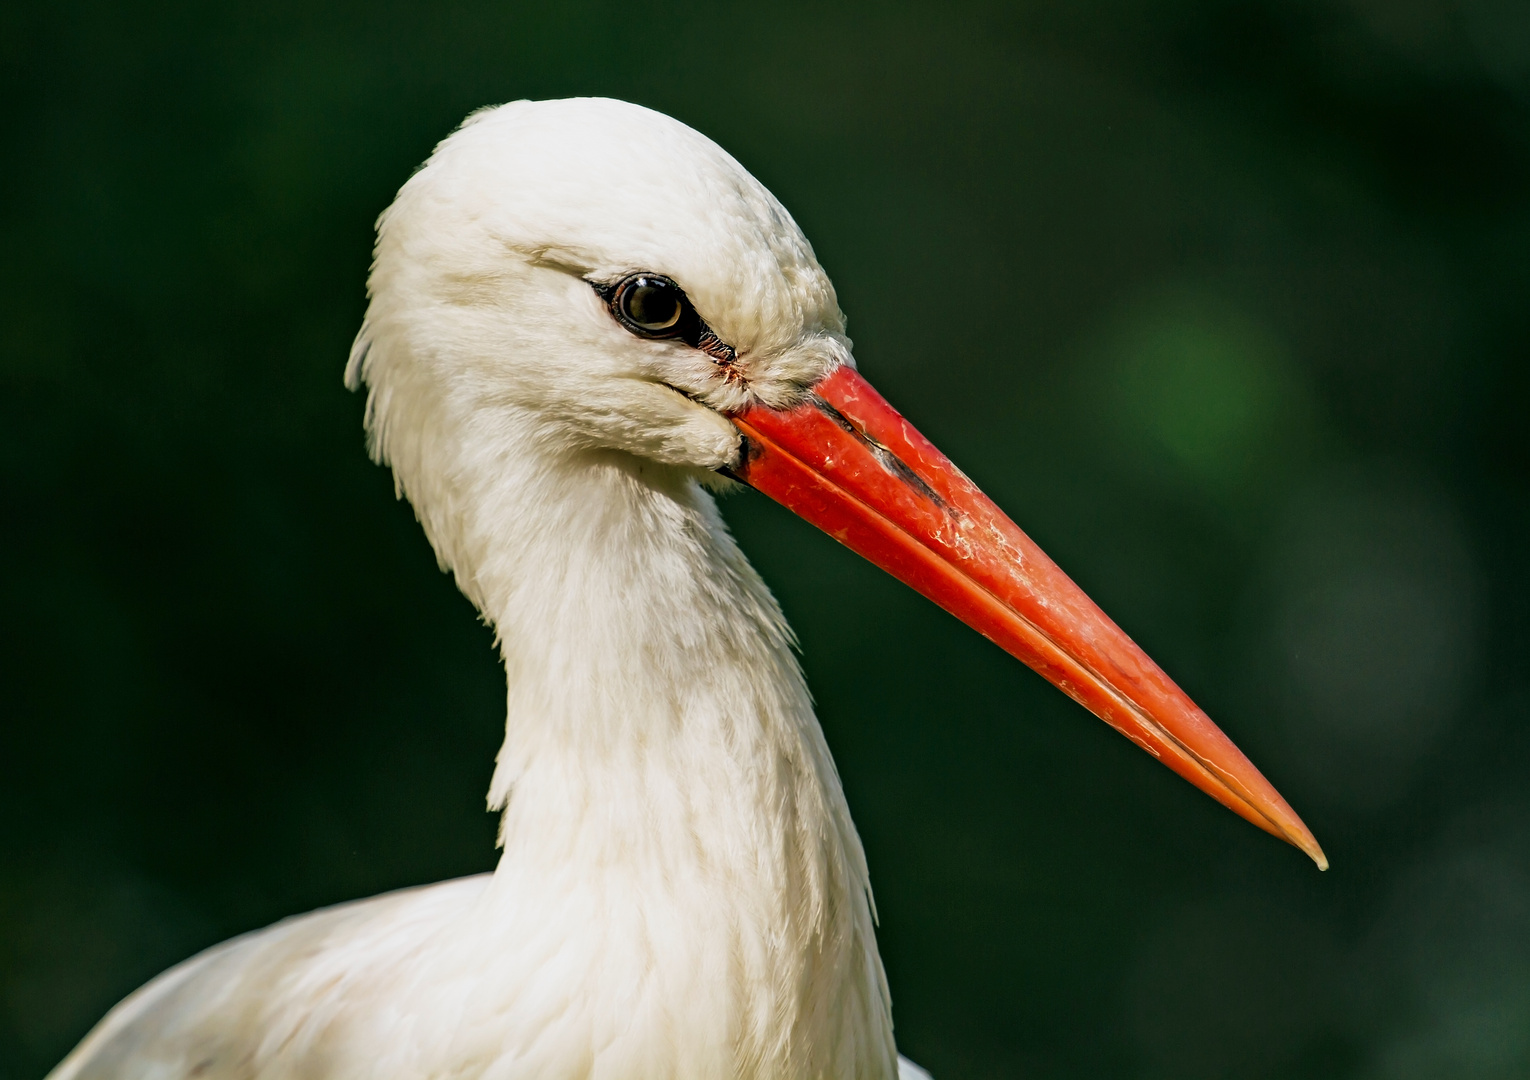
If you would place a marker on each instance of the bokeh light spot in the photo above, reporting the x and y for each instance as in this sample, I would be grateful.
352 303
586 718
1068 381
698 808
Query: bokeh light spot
1205 392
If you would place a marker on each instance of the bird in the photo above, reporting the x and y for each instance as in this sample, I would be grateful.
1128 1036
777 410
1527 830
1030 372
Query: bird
585 322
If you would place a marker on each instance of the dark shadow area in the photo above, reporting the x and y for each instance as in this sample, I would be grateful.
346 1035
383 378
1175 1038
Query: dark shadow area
1224 302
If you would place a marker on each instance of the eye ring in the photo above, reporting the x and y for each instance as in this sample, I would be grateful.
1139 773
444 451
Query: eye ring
653 306
670 316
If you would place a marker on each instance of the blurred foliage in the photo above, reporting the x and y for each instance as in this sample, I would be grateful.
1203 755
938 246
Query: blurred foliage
1225 300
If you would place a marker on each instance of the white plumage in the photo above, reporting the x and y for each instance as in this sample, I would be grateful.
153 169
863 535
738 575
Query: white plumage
681 892
581 312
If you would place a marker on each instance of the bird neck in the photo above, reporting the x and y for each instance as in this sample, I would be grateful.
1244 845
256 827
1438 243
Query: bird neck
663 772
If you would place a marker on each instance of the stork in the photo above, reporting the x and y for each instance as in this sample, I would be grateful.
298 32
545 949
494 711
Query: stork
585 319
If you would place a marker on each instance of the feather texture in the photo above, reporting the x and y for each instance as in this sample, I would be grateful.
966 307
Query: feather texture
681 891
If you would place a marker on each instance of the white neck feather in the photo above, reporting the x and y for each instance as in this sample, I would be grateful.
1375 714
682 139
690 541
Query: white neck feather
675 836
682 892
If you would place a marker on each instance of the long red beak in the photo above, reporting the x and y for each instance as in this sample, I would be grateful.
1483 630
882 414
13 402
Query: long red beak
847 462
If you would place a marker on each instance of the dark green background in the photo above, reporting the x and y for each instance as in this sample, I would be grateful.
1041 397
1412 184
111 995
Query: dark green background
1225 301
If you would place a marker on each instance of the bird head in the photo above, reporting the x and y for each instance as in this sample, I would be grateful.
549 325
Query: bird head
597 276
587 277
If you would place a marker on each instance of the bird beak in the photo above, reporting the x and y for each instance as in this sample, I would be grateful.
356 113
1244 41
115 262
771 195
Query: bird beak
847 462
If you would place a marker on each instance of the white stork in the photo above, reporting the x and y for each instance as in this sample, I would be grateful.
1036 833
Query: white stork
585 318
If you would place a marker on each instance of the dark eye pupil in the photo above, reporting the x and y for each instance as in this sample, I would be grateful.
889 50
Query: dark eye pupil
652 305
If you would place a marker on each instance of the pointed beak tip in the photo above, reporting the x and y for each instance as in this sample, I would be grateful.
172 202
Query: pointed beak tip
1295 832
1292 829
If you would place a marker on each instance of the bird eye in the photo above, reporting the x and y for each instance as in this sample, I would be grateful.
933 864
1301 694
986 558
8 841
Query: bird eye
651 305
